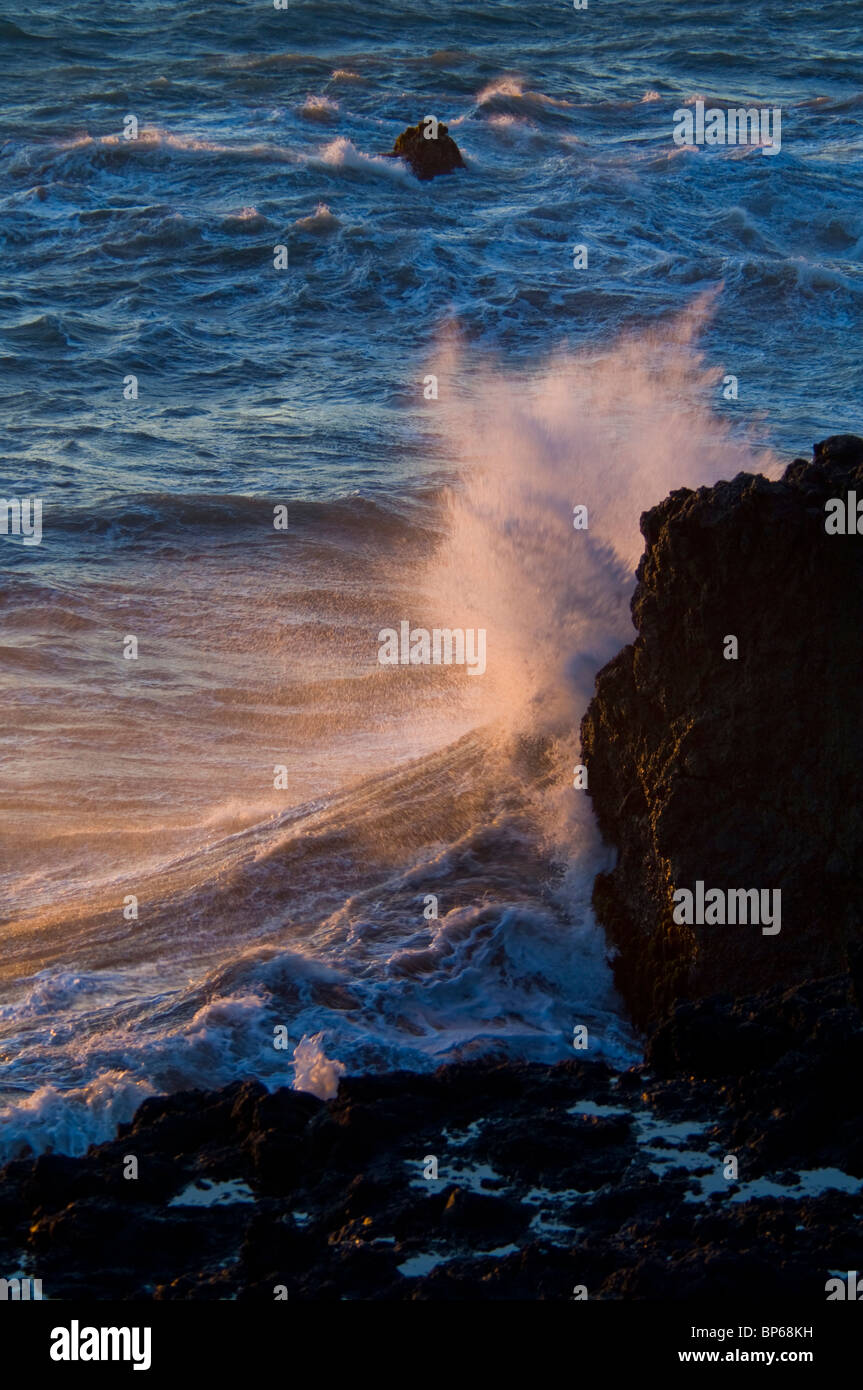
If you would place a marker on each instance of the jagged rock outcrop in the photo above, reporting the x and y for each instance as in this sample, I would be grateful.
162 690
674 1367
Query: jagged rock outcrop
428 155
738 773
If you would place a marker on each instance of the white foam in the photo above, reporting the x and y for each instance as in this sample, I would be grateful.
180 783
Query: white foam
314 1071
342 153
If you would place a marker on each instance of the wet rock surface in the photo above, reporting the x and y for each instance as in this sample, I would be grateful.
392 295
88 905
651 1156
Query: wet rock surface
738 773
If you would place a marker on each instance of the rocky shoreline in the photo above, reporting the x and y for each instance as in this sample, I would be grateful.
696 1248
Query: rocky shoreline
730 1162
553 1182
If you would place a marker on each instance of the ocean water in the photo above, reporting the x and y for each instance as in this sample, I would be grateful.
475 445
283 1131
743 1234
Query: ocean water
304 906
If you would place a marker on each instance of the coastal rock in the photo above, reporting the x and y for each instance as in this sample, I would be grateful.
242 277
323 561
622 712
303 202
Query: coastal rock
611 1200
483 1221
428 154
736 773
552 1178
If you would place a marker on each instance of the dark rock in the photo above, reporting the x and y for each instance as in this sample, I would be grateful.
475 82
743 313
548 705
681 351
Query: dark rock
576 1195
431 156
718 1037
741 773
206 1287
843 450
557 1151
422 1215
277 1146
95 1237
186 1120
481 1221
855 966
276 1247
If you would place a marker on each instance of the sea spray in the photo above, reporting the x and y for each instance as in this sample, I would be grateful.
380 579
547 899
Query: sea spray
312 917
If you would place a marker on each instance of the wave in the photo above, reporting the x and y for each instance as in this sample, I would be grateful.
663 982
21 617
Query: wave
248 221
113 149
352 517
45 330
835 104
439 905
512 90
795 278
509 102
511 963
318 223
343 154
319 108
16 35
303 63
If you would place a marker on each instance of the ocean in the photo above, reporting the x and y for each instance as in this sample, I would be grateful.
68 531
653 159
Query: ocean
242 827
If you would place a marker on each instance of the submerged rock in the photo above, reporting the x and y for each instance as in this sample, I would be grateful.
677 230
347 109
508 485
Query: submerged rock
736 773
429 149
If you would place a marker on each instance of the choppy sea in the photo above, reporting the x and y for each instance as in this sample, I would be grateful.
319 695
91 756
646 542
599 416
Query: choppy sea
253 825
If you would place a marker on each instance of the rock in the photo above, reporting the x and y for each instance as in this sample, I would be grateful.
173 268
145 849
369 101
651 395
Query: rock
720 1036
184 1121
483 1222
559 1151
428 157
535 1195
276 1144
275 1248
737 773
120 1238
846 450
855 966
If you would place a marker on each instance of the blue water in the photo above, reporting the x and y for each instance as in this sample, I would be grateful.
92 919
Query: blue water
153 257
